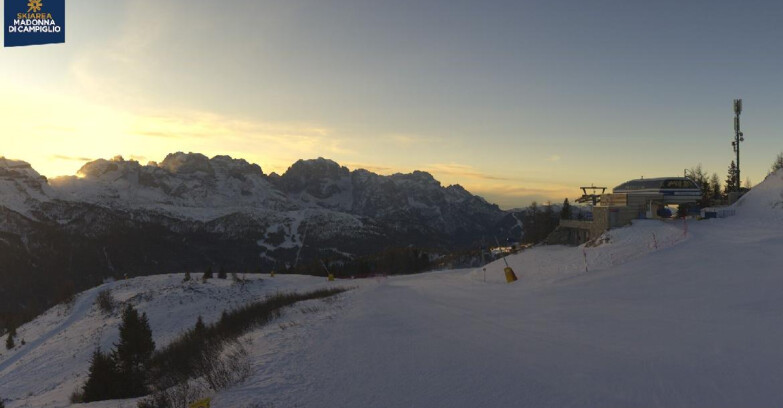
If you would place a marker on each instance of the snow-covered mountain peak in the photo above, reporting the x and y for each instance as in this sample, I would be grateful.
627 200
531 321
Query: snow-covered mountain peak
421 178
318 182
184 184
18 166
21 187
184 163
102 167
235 167
320 168
234 198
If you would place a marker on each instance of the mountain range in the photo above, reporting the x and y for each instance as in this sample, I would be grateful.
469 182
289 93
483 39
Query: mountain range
118 218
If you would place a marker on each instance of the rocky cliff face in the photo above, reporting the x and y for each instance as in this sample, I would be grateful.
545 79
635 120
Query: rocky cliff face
118 217
182 185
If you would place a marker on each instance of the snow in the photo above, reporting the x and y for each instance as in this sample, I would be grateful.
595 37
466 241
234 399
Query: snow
21 187
55 359
765 200
666 314
694 323
184 185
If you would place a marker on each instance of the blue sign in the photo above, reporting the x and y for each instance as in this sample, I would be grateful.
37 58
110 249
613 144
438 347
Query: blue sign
34 22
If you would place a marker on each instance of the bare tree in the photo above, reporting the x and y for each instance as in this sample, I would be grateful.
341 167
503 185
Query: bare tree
778 163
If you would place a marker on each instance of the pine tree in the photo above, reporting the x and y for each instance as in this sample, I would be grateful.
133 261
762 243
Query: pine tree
133 352
715 190
778 163
187 277
731 179
102 381
200 328
549 221
222 273
530 224
538 222
565 213
699 176
682 210
207 274
9 341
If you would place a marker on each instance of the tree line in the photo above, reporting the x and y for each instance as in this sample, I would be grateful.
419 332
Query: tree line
134 368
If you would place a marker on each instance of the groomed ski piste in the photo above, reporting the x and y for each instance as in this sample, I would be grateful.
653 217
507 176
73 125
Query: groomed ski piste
659 314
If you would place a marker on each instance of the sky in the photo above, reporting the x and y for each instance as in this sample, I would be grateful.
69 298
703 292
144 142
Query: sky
517 101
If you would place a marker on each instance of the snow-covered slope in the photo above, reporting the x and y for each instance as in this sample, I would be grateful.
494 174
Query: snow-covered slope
765 200
55 359
659 314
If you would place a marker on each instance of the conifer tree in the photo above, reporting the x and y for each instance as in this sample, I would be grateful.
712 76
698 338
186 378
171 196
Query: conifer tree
102 381
207 274
731 179
133 352
549 221
9 341
715 190
682 210
222 273
699 176
200 328
565 213
187 277
530 222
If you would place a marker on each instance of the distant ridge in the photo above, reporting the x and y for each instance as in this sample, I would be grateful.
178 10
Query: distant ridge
119 217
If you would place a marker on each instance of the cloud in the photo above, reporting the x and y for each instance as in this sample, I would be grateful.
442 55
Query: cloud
535 189
508 203
231 133
371 167
504 190
151 133
70 158
522 193
404 140
112 68
463 171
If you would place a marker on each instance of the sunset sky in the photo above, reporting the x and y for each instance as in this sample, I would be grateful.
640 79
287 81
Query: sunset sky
514 100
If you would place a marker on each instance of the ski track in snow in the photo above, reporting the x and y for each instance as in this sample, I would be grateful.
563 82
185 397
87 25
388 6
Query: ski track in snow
80 309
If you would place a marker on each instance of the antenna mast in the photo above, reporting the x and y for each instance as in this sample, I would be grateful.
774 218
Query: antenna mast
738 137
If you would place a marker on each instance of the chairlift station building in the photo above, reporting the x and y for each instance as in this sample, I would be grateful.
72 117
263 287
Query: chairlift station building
634 199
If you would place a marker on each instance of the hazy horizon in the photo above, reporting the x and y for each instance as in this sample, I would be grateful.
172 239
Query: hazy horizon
349 166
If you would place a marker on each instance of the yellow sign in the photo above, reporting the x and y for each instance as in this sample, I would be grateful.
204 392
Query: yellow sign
510 275
205 403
